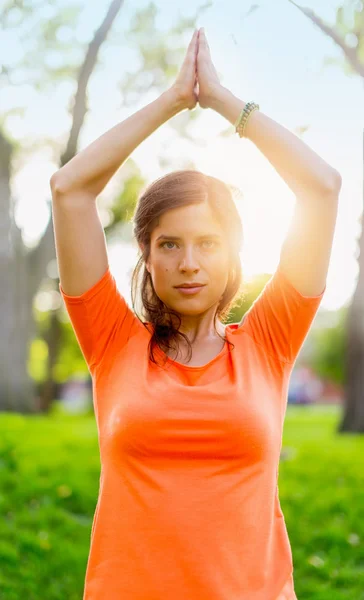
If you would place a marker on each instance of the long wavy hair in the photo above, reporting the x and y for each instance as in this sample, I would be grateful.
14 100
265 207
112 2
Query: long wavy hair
181 188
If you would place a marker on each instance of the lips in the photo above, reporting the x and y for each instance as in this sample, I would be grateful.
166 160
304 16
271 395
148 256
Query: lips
190 285
190 290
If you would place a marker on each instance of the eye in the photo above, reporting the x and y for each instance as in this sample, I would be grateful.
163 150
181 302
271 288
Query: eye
164 243
209 242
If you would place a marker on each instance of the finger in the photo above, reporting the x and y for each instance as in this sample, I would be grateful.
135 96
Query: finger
192 46
191 54
197 45
203 39
192 43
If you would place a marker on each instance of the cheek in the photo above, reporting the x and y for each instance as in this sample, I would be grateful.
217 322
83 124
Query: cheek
220 264
222 273
161 273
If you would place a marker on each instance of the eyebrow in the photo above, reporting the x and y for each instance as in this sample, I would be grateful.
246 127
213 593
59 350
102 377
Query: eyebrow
199 237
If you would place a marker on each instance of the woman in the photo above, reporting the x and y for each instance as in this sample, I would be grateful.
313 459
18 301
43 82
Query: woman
190 412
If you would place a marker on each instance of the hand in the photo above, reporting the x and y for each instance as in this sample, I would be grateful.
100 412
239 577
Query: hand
184 87
208 80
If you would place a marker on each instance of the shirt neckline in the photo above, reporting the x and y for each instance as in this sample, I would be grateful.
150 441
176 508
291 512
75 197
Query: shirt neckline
200 367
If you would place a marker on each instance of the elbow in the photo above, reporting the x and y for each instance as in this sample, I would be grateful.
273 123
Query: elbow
55 184
333 186
58 185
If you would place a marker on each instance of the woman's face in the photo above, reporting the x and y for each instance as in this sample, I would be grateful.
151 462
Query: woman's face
189 245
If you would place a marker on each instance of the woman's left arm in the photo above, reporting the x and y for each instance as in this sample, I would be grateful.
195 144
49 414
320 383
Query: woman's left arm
306 251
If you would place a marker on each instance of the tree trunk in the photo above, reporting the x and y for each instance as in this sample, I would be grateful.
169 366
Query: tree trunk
79 110
17 391
353 418
53 338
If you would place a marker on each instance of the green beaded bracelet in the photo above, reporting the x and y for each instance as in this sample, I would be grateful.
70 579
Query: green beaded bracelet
243 117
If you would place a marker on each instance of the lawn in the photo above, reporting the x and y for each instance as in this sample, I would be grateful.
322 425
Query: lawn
49 478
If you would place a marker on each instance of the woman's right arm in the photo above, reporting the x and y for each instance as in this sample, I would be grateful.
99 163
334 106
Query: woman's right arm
79 236
100 316
92 168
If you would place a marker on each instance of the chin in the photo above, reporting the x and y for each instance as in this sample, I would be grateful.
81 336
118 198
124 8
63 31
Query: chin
189 306
192 308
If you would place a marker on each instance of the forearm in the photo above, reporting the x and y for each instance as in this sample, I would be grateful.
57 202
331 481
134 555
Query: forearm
300 167
93 167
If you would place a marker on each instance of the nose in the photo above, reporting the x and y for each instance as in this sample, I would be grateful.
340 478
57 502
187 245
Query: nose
189 262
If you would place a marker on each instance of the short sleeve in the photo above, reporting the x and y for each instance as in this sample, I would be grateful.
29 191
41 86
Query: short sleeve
280 318
98 317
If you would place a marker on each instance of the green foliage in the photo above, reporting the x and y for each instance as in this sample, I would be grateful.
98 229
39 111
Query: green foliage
46 513
251 291
329 344
70 360
350 25
37 362
41 26
49 479
123 206
322 498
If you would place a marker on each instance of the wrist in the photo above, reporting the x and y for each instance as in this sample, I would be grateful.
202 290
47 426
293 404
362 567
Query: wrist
218 97
173 100
226 104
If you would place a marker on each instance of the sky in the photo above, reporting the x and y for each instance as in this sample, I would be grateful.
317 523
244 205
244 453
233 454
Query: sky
274 57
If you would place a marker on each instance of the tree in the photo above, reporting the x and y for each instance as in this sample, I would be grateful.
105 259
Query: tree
23 271
348 34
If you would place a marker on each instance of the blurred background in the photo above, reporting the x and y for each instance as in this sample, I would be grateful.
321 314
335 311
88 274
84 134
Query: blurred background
69 72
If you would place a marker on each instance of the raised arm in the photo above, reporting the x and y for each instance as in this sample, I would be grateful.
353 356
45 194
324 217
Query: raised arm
306 251
79 236
91 169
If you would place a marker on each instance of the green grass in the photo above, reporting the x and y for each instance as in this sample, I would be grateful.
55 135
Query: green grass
321 486
49 479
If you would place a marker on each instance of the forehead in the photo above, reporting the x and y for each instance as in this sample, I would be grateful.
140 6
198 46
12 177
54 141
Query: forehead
190 220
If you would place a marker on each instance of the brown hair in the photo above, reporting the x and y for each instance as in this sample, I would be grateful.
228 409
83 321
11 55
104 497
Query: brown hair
173 190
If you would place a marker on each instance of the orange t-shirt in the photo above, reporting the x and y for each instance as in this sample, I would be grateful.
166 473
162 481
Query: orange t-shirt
188 504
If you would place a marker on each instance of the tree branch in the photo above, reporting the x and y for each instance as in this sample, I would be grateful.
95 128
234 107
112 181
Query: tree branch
86 70
39 256
351 54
